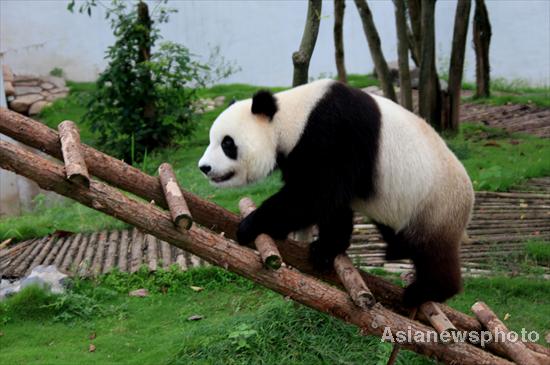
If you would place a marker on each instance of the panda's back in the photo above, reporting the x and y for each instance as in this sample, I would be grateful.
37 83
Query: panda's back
414 168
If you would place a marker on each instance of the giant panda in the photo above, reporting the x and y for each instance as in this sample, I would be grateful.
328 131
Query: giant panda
342 150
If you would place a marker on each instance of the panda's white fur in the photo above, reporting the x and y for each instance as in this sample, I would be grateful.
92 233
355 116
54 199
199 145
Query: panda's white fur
417 191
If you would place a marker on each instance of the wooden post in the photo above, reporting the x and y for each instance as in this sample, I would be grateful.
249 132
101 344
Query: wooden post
339 6
516 349
353 282
266 246
301 57
403 55
174 197
220 251
437 318
75 167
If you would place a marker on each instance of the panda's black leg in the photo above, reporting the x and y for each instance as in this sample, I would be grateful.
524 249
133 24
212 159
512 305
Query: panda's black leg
334 238
280 214
438 275
397 244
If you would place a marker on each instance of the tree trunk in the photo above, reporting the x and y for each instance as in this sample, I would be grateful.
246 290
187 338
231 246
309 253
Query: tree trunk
339 6
403 54
415 32
375 49
456 67
144 55
302 57
429 93
482 40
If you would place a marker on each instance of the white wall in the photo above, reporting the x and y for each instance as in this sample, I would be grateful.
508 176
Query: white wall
38 35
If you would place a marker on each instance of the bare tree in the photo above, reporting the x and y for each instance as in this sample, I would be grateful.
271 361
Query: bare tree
403 54
415 31
302 57
482 40
429 91
339 6
373 40
456 67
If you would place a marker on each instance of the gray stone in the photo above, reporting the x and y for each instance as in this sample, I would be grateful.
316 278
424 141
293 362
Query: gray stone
37 107
22 103
25 78
374 90
59 90
139 293
53 97
219 100
56 81
25 90
47 85
8 288
27 83
47 277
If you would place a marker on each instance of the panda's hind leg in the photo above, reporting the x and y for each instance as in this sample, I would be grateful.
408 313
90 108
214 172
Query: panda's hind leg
397 245
436 259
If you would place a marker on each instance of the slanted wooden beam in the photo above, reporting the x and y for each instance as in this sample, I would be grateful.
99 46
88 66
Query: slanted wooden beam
516 349
264 244
438 319
219 250
75 166
353 282
174 197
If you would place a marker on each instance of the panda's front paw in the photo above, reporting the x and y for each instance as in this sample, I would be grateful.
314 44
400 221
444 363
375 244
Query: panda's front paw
247 232
321 258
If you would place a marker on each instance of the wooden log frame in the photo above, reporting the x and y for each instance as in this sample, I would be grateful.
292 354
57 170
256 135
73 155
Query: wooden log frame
264 244
212 216
223 252
174 197
353 282
75 166
515 349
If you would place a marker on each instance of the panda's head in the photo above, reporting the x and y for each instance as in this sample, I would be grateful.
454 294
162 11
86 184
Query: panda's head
243 146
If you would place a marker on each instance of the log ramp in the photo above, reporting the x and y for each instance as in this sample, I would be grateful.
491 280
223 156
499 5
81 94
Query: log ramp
210 237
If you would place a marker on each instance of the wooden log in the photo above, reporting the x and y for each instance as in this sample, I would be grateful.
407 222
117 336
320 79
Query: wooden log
42 253
166 254
174 197
97 263
23 255
208 214
75 166
85 266
243 261
123 251
136 250
152 250
56 246
353 282
264 244
112 244
63 250
80 254
180 259
438 319
516 349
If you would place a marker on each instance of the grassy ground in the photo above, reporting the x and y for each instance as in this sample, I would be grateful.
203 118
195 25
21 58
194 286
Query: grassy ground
515 92
242 323
494 159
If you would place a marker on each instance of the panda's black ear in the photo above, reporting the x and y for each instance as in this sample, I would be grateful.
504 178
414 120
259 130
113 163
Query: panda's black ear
264 103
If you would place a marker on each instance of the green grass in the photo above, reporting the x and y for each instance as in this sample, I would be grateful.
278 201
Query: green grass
242 322
514 92
495 167
538 251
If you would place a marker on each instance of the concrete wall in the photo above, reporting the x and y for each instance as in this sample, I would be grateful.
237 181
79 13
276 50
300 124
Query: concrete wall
38 35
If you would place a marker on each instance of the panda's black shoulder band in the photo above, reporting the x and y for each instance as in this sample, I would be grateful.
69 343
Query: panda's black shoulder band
264 102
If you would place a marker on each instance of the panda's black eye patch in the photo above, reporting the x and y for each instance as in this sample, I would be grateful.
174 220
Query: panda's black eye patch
229 147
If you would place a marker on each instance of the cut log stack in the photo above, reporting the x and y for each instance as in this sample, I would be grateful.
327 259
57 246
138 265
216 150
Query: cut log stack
219 249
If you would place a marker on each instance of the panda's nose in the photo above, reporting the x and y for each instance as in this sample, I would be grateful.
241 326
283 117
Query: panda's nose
205 169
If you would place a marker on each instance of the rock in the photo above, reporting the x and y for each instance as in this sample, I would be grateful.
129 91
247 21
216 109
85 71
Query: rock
139 293
25 90
9 89
219 100
53 97
35 83
37 107
374 90
58 90
8 288
25 78
47 277
56 81
22 103
47 85
7 74
195 317
209 108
